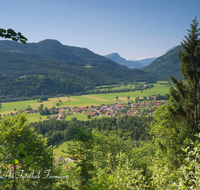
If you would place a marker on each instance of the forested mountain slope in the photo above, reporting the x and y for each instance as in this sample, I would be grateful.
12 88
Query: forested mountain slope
167 64
51 58
79 68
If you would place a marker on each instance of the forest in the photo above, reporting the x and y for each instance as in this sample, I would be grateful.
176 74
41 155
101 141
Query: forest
159 152
64 69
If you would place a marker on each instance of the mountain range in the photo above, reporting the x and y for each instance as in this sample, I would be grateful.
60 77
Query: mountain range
50 68
130 64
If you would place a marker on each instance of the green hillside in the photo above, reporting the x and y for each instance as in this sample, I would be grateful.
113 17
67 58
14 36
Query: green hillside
50 68
167 64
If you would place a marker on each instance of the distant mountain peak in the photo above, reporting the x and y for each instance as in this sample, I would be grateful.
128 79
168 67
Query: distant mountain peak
118 59
112 54
50 41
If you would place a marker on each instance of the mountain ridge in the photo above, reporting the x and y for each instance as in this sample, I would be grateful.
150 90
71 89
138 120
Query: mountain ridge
130 63
166 64
56 60
118 59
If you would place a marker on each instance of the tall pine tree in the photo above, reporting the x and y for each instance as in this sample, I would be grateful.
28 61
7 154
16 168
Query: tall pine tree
186 93
178 120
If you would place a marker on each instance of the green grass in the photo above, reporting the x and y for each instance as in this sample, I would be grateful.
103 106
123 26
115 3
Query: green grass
152 91
11 106
36 117
57 152
82 101
78 116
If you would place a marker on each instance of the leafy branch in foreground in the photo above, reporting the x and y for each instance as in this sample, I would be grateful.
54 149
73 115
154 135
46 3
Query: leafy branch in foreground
11 34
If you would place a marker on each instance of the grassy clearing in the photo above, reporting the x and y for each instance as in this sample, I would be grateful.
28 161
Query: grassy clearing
11 106
36 117
123 95
83 101
78 116
58 149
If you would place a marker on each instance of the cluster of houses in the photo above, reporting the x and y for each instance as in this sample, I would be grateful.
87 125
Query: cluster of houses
144 108
103 110
133 109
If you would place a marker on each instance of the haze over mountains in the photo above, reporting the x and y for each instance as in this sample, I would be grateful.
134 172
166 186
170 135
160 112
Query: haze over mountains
130 63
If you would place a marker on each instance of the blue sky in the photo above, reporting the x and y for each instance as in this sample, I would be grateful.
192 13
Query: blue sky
132 28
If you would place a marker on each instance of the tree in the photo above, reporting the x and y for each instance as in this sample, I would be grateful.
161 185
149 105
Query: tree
44 98
186 95
128 97
16 135
82 151
11 34
178 120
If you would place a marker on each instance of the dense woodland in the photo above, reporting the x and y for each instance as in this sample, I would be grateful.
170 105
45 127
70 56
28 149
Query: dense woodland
112 153
134 128
33 87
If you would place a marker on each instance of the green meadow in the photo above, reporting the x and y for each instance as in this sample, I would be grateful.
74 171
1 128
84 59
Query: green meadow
81 101
57 152
36 117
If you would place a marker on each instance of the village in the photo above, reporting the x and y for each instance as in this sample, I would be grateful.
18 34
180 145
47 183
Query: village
118 109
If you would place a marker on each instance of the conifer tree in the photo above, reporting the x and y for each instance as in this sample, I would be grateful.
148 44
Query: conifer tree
178 120
186 93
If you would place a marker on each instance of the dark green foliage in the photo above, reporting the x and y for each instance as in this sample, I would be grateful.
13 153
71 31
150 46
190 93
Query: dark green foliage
64 68
167 64
186 95
11 34
126 127
17 135
178 120
44 98
82 151
35 86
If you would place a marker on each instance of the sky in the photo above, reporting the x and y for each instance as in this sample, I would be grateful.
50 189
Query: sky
132 28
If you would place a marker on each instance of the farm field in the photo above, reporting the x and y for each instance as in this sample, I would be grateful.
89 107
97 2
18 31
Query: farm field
153 91
80 101
36 117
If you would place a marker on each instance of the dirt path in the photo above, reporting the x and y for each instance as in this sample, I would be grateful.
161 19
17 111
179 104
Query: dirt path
94 98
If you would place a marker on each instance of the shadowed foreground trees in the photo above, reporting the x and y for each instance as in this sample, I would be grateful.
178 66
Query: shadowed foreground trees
176 123
22 150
